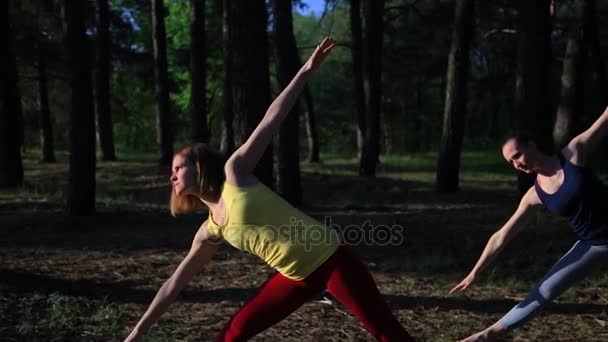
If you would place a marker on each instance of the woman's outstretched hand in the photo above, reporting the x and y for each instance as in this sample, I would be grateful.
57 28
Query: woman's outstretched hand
464 284
317 57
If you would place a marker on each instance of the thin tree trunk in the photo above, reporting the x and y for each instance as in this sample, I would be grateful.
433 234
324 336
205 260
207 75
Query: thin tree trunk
532 88
11 167
81 189
102 82
388 136
569 110
198 67
250 91
46 127
288 63
164 124
448 164
596 62
372 85
312 131
357 57
227 143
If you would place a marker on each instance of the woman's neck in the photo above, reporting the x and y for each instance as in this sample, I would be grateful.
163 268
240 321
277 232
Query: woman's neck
216 208
548 165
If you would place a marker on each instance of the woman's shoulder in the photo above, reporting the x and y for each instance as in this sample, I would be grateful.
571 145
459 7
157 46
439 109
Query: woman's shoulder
243 183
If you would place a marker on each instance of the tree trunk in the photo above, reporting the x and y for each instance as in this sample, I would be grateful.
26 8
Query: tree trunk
11 167
448 164
357 57
46 127
164 124
372 85
312 130
227 143
198 67
288 63
81 189
532 88
102 82
596 63
250 91
570 108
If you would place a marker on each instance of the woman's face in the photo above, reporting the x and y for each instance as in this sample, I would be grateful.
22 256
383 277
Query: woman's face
521 156
183 175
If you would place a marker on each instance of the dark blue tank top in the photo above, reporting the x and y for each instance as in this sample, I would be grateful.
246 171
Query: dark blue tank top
582 199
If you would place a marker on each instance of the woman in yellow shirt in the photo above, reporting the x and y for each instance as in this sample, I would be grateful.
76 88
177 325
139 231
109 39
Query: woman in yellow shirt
309 257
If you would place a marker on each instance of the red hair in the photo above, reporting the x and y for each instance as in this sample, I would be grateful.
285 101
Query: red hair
210 178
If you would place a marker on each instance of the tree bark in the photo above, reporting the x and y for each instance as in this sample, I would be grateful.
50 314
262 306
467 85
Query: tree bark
46 127
312 129
250 91
357 57
532 88
372 85
570 108
227 143
288 63
102 82
596 62
164 124
198 67
11 167
81 189
448 164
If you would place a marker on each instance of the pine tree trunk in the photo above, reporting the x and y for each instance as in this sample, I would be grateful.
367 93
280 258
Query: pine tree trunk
533 108
596 62
567 119
164 124
312 129
11 167
198 67
250 91
227 143
288 63
448 165
46 127
81 189
102 82
372 87
357 57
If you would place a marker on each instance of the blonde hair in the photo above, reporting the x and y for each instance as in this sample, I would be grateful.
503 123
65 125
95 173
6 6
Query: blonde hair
210 177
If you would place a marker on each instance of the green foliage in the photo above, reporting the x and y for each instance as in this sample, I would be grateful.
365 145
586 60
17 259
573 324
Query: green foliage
417 37
178 51
331 85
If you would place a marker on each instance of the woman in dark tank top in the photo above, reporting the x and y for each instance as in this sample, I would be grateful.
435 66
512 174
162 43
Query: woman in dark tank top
579 200
566 185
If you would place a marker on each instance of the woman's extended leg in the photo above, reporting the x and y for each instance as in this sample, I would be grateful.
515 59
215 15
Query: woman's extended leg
351 283
577 263
274 301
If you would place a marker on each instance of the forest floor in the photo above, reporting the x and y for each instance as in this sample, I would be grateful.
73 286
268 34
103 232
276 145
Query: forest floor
90 278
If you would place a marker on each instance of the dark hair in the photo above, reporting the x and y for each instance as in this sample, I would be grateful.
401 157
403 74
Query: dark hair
522 138
210 177
525 138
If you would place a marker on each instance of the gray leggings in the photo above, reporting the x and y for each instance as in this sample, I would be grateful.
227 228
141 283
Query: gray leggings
580 261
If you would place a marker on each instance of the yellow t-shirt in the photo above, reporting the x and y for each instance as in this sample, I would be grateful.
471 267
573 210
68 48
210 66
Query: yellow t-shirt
260 222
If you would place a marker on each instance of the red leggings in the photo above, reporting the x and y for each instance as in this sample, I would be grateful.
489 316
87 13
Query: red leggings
344 275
